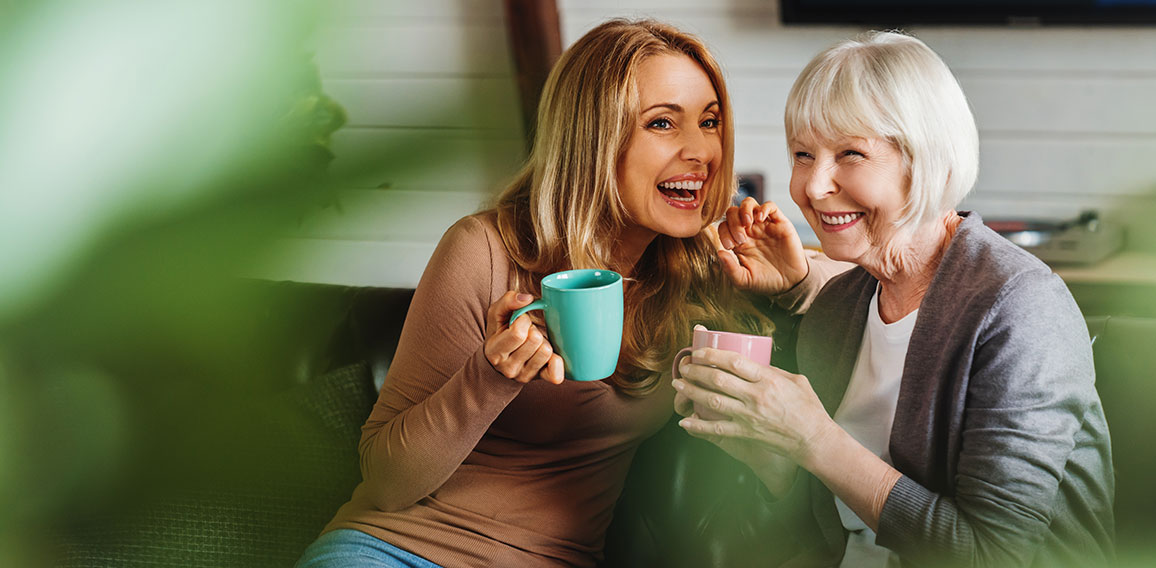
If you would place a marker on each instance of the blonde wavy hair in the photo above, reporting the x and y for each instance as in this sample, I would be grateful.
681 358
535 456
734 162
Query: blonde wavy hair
563 210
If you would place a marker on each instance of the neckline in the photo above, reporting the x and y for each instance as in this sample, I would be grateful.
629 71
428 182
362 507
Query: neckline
898 330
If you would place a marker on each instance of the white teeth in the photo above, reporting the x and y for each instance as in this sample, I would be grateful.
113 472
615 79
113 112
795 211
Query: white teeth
839 219
686 185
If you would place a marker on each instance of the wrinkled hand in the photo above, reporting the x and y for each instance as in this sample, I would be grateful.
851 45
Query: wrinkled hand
767 410
761 250
519 351
683 405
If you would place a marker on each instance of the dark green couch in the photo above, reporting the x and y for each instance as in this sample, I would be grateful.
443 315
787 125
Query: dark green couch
296 462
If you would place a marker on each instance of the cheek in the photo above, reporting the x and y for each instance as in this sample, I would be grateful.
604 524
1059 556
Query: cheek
716 152
795 188
899 190
630 175
633 191
622 169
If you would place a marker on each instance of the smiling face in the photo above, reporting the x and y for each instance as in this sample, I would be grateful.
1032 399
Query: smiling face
851 191
674 150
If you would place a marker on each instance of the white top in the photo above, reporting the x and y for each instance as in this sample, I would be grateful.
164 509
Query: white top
867 412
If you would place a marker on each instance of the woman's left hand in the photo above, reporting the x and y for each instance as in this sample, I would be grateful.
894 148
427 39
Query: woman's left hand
760 250
763 405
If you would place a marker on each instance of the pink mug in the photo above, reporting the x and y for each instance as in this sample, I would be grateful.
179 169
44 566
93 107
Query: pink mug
757 348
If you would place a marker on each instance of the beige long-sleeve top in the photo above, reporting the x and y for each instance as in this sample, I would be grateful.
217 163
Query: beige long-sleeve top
465 467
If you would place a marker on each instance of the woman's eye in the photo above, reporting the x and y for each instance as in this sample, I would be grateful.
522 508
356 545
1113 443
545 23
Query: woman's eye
802 155
710 123
661 124
854 153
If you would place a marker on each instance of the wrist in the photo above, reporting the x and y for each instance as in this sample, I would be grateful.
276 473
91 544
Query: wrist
793 291
881 493
778 481
813 447
793 285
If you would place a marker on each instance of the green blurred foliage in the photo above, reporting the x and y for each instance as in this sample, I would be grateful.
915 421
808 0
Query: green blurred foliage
150 151
313 116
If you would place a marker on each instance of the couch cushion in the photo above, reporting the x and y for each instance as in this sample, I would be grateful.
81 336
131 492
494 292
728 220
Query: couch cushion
1125 359
265 509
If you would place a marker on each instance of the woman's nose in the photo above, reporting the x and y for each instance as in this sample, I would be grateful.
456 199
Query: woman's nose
697 146
820 182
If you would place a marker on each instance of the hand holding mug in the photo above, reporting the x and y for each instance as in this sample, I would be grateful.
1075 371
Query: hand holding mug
519 350
583 311
726 380
761 250
754 347
768 406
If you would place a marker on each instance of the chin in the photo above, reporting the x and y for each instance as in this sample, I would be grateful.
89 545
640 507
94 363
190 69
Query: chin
833 254
677 224
682 234
834 251
683 230
842 252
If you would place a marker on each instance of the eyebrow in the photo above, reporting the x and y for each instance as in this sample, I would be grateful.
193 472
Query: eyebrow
678 108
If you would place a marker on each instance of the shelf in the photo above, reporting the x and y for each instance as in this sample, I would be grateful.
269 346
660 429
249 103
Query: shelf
1128 267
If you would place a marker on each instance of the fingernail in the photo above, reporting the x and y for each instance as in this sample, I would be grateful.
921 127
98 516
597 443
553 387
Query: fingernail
698 353
524 297
683 422
683 368
677 383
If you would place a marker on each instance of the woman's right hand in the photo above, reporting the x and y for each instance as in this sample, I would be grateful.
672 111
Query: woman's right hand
519 351
761 251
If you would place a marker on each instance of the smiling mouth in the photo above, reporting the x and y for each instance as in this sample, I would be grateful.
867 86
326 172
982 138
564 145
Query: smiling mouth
681 192
840 221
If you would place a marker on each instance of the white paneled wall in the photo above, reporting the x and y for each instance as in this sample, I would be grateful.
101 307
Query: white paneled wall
434 132
1067 116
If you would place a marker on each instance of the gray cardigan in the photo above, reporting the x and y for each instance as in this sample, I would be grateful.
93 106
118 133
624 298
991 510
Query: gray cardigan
999 432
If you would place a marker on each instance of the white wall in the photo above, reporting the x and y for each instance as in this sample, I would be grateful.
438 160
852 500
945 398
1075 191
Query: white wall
1067 116
434 132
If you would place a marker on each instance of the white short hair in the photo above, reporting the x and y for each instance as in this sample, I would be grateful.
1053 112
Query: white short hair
892 86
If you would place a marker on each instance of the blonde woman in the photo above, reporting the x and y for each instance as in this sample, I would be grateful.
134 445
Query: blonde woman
477 453
945 412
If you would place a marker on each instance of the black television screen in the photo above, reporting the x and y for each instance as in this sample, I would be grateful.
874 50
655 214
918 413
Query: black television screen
1002 12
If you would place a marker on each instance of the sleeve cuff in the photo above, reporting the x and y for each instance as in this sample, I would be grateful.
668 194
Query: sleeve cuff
820 269
897 523
798 298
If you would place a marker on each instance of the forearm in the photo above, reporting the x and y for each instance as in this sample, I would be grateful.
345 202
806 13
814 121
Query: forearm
408 454
852 472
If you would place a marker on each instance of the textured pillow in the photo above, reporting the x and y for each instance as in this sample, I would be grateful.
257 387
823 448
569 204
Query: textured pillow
264 509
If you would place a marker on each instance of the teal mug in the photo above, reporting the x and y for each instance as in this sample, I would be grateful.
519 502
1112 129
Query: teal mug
583 310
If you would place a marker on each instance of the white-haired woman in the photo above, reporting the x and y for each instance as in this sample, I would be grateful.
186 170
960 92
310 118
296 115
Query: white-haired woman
945 412
477 453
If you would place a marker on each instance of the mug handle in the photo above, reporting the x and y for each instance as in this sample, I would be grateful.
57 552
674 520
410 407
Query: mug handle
703 413
678 357
535 305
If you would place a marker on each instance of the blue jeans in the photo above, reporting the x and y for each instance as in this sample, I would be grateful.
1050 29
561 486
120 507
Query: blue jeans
355 549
